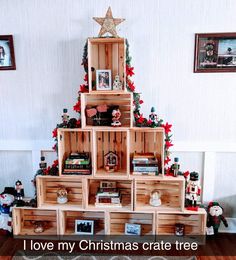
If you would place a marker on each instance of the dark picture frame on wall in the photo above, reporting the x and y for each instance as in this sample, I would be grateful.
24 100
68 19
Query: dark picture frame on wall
7 55
215 52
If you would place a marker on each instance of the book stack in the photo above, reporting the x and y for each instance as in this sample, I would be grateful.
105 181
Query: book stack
145 164
77 164
108 196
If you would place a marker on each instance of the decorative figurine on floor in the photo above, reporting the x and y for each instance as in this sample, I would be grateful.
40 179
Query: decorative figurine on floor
111 162
153 118
6 203
175 167
19 190
214 217
116 114
65 117
117 84
193 191
155 198
62 196
39 226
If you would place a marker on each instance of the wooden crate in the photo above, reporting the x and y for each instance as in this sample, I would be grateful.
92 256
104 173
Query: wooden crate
148 140
47 187
115 140
106 53
24 218
170 188
67 221
123 100
194 222
126 189
72 140
118 220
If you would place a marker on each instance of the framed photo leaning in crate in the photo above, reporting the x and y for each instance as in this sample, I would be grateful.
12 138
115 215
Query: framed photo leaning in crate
84 227
103 80
215 52
7 56
132 229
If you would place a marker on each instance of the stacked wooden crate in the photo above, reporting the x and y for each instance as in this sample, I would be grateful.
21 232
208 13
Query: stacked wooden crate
125 141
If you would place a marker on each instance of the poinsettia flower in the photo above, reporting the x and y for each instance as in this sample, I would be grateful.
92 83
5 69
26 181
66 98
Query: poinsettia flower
167 127
167 160
83 88
149 122
55 163
168 144
86 77
186 174
77 106
129 71
78 123
46 171
136 115
54 133
140 101
131 86
167 171
141 119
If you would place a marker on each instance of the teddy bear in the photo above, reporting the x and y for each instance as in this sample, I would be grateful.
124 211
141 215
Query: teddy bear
215 216
6 202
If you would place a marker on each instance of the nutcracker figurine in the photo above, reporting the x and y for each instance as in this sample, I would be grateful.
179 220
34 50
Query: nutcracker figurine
175 167
65 117
153 117
116 114
19 189
193 191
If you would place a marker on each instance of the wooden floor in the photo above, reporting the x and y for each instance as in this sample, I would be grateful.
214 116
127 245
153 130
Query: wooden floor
216 248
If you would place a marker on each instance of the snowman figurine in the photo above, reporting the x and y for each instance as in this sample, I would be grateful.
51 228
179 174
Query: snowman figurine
117 84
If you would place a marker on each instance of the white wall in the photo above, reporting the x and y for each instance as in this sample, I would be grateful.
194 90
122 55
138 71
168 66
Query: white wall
49 37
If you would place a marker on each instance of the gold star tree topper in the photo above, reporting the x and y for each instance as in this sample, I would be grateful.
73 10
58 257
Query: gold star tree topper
108 23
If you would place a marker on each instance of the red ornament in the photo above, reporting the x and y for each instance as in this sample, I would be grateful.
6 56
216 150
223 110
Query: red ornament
167 128
77 106
168 144
129 71
167 160
54 133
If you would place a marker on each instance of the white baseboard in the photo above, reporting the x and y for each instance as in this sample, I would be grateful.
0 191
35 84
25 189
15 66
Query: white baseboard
231 228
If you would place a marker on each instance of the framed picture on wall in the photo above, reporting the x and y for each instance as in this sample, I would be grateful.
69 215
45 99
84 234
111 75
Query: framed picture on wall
215 52
7 56
103 80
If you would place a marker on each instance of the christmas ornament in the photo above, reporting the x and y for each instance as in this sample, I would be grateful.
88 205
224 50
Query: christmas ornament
116 114
108 24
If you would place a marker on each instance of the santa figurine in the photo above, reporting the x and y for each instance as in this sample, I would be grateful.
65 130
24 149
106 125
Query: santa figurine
193 191
19 189
116 114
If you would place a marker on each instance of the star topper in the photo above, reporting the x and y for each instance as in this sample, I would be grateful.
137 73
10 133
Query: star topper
108 23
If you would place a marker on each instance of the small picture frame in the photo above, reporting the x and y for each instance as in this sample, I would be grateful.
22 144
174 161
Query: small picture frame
103 80
84 227
7 56
215 52
132 229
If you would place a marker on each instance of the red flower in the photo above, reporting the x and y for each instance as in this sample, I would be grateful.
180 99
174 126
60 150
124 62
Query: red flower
83 88
54 133
149 122
129 71
186 174
46 171
86 77
141 119
136 115
140 101
55 163
168 144
77 106
167 172
167 160
167 128
131 86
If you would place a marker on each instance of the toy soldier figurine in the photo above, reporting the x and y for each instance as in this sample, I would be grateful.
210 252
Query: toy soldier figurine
116 114
153 117
175 167
65 117
42 164
117 84
193 191
19 189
